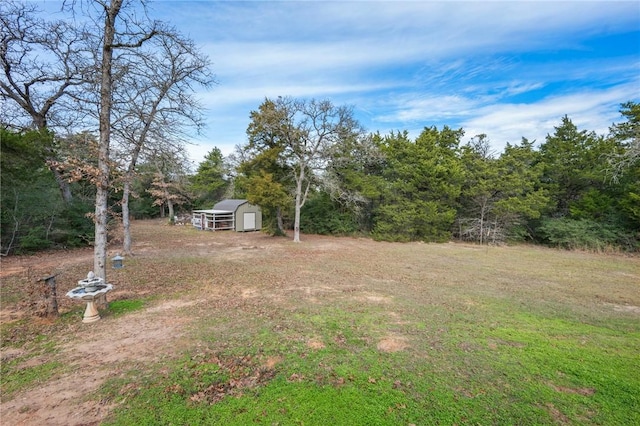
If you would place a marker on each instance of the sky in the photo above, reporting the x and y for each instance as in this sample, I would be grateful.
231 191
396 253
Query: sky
508 69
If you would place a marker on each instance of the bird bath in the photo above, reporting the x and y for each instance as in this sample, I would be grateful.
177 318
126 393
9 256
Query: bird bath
89 290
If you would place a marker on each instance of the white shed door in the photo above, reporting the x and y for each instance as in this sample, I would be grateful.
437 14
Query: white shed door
249 221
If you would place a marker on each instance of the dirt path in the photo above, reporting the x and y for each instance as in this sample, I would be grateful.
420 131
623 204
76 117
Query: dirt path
93 353
97 354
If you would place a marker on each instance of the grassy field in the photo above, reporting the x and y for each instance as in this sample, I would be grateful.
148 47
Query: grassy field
349 331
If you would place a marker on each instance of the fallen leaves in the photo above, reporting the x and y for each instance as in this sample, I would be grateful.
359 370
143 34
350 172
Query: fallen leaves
233 376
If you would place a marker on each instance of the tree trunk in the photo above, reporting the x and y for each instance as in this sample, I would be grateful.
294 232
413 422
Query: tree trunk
63 185
279 224
482 224
102 191
49 294
126 221
296 222
171 212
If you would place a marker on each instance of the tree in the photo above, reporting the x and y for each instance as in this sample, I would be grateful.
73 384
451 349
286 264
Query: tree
119 31
264 176
304 132
573 162
210 181
154 102
522 196
169 184
590 210
480 190
353 178
421 186
26 183
44 64
628 134
498 194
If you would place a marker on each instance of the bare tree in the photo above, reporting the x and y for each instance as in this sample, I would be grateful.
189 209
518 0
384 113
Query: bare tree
303 133
169 181
154 102
42 64
122 28
318 126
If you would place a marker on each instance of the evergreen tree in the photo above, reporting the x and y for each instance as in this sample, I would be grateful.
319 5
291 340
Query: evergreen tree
590 210
210 182
422 183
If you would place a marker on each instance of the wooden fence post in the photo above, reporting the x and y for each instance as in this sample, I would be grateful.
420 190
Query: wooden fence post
49 294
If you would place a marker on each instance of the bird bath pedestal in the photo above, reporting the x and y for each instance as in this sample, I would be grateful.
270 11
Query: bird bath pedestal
89 290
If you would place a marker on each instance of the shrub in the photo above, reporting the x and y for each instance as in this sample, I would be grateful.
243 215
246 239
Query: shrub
34 240
321 215
583 234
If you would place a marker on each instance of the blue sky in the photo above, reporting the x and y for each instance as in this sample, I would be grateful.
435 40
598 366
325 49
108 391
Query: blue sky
507 69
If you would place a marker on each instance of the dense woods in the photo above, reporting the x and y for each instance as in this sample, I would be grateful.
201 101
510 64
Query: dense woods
575 189
72 159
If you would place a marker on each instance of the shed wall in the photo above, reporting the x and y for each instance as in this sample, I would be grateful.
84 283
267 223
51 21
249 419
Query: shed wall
239 217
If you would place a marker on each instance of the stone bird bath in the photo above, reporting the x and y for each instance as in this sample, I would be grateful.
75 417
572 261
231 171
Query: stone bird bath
89 290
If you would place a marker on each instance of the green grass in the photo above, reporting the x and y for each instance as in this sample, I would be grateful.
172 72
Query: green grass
519 368
16 378
293 334
30 366
121 307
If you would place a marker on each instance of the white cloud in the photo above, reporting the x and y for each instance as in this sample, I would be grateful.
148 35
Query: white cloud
590 110
405 65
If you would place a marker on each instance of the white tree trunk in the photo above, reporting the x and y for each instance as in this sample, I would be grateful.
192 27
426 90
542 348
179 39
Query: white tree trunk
126 220
102 191
299 202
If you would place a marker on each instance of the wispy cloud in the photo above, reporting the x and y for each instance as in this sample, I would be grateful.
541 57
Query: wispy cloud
507 68
592 110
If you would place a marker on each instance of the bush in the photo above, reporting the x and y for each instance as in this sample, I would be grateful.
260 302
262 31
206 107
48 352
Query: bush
72 227
321 215
584 234
35 240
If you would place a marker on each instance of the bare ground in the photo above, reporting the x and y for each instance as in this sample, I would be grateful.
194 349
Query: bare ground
214 278
92 353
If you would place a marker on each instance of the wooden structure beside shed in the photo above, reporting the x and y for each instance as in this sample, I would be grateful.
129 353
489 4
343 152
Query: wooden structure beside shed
238 215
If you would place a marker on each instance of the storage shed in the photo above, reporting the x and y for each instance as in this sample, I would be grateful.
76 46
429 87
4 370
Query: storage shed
238 215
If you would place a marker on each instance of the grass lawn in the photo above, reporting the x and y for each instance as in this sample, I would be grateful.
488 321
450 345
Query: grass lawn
345 331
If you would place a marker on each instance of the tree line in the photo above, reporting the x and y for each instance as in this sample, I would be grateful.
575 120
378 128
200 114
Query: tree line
576 189
128 82
312 168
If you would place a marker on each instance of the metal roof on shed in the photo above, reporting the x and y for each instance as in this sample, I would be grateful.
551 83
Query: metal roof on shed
229 205
213 211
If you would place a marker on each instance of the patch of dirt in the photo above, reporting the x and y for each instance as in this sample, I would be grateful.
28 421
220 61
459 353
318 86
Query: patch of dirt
576 391
44 263
557 415
393 344
626 308
315 344
97 353
374 298
271 362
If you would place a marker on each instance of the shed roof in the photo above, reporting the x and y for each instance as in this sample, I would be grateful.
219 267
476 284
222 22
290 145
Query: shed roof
213 211
229 205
